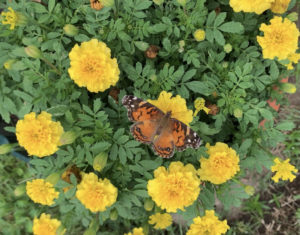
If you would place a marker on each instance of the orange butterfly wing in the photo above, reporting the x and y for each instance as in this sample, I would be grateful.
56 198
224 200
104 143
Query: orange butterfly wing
147 128
146 117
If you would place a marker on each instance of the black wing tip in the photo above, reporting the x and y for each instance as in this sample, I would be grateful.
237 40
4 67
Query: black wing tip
126 98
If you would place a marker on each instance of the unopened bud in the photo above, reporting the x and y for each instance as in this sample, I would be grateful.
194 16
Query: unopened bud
70 30
225 64
249 190
292 16
152 51
148 204
67 138
53 178
153 77
227 48
5 148
100 161
288 88
238 113
20 190
8 64
181 43
33 51
21 19
61 230
113 215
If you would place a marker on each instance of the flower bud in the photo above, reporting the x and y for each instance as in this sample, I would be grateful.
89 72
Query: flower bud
158 2
9 63
53 178
199 35
181 43
148 204
70 30
153 77
100 161
20 190
249 190
67 138
227 48
21 19
292 16
5 148
33 51
238 113
113 215
225 64
288 88
108 3
61 230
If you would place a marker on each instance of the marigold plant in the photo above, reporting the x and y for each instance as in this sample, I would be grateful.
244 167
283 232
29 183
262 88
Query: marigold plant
46 225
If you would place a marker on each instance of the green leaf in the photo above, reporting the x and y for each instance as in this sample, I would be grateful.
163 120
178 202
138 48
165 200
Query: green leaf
188 75
245 145
220 19
143 46
210 18
232 27
141 193
266 114
285 126
51 5
219 37
143 4
199 87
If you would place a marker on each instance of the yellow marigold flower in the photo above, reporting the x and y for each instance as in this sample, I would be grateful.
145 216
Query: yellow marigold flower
293 59
280 38
41 191
280 6
46 226
200 105
39 135
96 194
175 105
222 164
9 17
161 221
175 188
136 231
208 225
283 170
257 6
92 66
199 35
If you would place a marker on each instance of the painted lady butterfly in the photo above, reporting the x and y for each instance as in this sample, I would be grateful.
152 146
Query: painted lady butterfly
152 126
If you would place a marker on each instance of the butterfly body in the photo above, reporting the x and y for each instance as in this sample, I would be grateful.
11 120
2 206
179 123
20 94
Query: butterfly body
152 126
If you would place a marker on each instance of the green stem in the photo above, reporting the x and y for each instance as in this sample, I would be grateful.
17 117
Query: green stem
51 65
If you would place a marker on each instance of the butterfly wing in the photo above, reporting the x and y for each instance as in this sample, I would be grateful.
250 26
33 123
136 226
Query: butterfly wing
163 144
146 117
183 136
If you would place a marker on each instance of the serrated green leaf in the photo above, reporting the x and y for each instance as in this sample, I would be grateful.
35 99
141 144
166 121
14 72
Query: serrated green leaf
232 27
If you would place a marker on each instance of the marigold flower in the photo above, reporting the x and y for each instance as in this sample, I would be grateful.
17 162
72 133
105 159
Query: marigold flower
199 104
161 221
273 104
136 231
283 170
92 66
257 6
13 18
152 51
280 6
175 188
45 225
293 59
39 135
280 38
96 4
96 194
199 35
208 225
41 191
175 105
67 174
222 164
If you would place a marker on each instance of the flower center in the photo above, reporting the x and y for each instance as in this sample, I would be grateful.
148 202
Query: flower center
92 66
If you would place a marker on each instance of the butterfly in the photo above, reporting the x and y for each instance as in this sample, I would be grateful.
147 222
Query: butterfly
153 126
